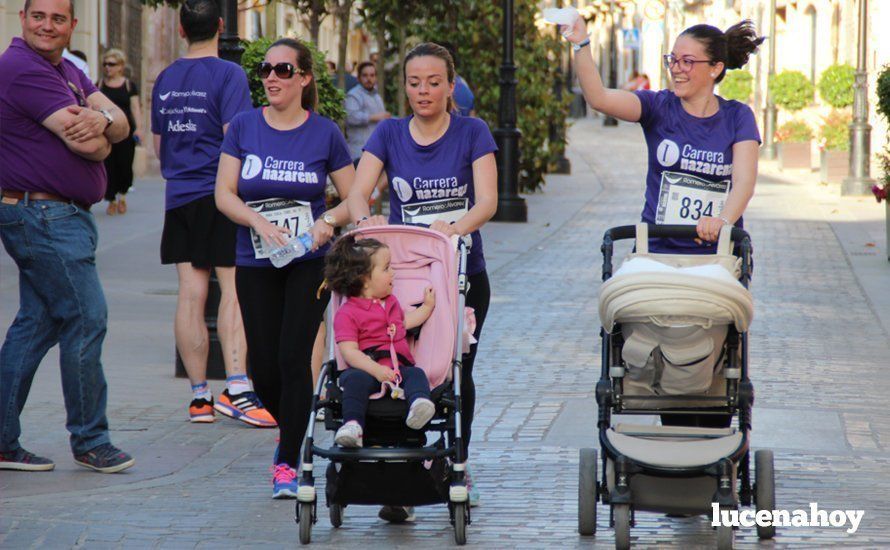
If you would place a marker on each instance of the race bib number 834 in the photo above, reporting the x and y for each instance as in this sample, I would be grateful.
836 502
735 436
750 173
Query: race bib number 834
684 199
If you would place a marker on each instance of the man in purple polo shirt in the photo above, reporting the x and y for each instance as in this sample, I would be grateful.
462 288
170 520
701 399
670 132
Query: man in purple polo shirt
56 130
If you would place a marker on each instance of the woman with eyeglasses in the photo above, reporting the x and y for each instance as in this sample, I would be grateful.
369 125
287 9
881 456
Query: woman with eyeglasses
702 148
274 164
119 164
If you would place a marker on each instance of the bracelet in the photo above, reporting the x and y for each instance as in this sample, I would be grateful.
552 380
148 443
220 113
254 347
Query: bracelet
725 221
577 47
360 220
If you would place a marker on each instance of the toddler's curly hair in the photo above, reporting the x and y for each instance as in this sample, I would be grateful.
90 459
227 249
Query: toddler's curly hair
348 263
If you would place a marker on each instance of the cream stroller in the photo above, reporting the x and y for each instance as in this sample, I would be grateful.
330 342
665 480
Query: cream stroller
674 341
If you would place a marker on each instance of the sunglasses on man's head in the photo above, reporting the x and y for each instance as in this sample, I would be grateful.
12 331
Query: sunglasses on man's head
282 70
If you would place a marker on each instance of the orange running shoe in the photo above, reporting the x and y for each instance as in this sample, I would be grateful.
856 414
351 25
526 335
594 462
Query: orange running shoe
245 407
201 410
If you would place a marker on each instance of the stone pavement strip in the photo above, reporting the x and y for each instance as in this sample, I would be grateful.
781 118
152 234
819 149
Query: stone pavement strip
818 358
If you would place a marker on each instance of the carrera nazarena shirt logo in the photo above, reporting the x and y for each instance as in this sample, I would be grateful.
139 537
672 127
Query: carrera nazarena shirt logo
290 171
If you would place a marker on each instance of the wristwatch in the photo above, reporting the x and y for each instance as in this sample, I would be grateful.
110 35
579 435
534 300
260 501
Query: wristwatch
577 47
108 118
329 219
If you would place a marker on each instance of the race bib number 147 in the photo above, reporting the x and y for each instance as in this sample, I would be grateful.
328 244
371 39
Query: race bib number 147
684 199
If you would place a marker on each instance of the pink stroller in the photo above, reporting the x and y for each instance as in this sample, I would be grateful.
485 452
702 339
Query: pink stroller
397 466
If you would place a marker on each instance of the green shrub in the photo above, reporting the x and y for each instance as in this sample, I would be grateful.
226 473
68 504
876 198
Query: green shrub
791 90
883 92
330 97
737 85
794 131
835 133
836 85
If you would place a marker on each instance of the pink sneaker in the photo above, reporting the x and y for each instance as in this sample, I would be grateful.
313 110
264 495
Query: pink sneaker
284 481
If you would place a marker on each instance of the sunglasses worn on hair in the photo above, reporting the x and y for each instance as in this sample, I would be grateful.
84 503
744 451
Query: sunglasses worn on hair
685 63
282 70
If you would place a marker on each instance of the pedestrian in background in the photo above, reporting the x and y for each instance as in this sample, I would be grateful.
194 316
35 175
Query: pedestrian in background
683 126
57 129
442 173
119 164
193 101
364 110
273 170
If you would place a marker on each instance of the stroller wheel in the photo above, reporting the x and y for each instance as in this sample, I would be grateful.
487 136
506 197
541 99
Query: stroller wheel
724 537
764 489
336 513
460 523
305 521
587 492
621 514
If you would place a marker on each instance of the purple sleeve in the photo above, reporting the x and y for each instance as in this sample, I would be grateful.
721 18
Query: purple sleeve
338 155
235 95
482 140
38 95
746 125
231 143
376 144
88 87
647 106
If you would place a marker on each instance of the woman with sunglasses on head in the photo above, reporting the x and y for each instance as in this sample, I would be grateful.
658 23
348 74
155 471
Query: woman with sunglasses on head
442 173
273 168
696 138
119 164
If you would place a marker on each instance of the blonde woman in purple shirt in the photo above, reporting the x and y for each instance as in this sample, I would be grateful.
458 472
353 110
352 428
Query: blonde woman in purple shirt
702 148
442 173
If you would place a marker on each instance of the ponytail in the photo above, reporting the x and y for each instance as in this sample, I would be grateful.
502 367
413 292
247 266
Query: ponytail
309 100
732 48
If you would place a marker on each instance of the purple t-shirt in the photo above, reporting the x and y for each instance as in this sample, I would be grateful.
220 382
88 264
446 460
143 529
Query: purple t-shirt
191 101
690 163
283 175
430 182
32 158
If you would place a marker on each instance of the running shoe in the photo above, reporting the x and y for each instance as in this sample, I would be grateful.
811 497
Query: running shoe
397 514
201 410
284 482
349 435
472 490
421 411
245 407
22 460
105 458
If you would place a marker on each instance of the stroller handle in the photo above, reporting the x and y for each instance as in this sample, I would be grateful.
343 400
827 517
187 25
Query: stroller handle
666 231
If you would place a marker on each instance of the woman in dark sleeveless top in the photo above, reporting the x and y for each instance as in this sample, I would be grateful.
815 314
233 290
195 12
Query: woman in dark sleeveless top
119 164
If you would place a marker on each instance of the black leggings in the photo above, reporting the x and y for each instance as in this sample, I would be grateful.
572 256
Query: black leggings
281 317
478 297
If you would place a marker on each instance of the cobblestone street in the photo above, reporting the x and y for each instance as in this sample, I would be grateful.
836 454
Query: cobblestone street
818 356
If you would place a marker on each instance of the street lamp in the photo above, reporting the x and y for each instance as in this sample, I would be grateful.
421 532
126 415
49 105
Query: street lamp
613 60
859 182
511 207
229 42
561 165
769 125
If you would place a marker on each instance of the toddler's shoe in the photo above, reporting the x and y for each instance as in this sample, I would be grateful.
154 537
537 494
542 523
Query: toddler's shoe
421 411
349 435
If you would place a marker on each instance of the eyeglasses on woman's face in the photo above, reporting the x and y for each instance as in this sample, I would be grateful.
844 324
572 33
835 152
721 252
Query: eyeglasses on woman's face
281 70
685 64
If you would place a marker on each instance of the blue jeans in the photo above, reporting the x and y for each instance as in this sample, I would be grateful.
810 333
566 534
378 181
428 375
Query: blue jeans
358 386
60 302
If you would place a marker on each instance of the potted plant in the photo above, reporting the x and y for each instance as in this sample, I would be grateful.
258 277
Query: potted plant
792 91
836 89
834 147
737 85
793 139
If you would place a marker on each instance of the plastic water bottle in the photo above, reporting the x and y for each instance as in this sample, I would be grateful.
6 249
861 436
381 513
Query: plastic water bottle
297 246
